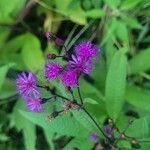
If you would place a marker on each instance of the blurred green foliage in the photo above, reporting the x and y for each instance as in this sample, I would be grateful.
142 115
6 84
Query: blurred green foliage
118 88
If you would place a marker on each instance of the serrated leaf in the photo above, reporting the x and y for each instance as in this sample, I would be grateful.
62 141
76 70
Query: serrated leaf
115 85
94 13
138 97
140 62
32 54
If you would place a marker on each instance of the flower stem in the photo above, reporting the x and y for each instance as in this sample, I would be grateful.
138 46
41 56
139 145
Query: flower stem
96 124
80 96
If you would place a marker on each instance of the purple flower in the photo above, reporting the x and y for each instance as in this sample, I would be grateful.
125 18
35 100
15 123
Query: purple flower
81 64
26 85
48 35
108 130
87 50
34 104
52 70
94 137
70 78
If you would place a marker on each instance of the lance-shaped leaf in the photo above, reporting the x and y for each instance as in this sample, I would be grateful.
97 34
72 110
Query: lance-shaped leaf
115 84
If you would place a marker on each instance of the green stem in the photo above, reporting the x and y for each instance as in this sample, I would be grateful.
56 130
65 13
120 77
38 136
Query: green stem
80 96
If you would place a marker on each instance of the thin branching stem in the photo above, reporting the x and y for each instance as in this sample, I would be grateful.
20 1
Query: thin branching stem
80 96
96 124
122 133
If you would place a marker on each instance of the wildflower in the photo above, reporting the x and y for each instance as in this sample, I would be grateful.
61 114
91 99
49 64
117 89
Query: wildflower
34 104
26 85
70 78
108 130
86 50
52 70
81 64
94 137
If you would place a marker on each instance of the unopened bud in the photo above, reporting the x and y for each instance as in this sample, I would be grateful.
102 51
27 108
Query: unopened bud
51 56
59 41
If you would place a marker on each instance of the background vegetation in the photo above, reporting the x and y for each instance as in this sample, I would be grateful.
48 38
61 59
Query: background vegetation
118 88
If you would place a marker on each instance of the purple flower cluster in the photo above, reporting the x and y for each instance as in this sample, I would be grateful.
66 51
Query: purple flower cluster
79 63
27 88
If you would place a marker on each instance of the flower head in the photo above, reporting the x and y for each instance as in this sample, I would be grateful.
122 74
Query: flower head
94 137
81 64
86 50
26 85
34 104
52 70
70 78
108 130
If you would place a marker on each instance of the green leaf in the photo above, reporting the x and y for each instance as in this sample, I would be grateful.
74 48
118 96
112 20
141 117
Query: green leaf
94 13
29 132
3 71
63 125
86 4
140 62
122 32
75 14
49 138
90 100
110 51
8 13
8 89
80 143
140 128
115 85
130 4
3 137
27 127
4 32
132 22
84 119
138 97
32 54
